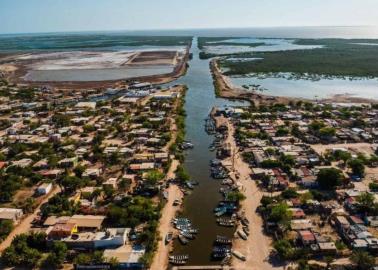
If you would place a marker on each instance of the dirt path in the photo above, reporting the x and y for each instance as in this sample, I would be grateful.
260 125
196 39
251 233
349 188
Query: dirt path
160 261
25 224
258 246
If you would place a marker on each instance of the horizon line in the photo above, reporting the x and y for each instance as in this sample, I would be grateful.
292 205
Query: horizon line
178 29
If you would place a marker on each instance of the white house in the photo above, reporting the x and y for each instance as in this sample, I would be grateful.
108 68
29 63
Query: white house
13 214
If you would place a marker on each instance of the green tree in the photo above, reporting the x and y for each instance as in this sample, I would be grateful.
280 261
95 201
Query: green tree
57 255
285 249
82 259
357 166
329 178
365 201
363 260
6 226
153 177
235 196
182 175
280 213
327 132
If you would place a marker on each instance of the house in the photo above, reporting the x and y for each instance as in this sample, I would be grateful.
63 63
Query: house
297 213
87 222
68 162
306 237
111 182
92 172
25 162
44 188
86 105
61 230
372 221
127 256
110 238
12 214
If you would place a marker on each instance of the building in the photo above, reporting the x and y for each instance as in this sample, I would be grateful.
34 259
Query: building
87 222
12 214
61 230
110 238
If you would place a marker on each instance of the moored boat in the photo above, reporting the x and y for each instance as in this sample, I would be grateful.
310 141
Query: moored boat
168 237
183 240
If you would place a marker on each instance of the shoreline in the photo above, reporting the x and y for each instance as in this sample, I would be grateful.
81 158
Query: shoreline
225 89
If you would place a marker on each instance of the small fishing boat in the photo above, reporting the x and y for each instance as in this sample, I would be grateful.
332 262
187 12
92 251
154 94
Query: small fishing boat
221 212
168 238
226 260
183 240
177 262
187 235
238 255
246 230
223 240
242 235
179 257
245 221
226 222
176 202
165 195
189 185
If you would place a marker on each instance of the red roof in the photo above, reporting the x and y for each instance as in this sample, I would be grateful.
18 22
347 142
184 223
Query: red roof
2 164
307 236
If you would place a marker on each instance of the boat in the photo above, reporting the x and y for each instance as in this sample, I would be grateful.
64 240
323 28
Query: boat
187 235
225 222
183 240
176 202
168 238
220 213
226 260
165 195
189 185
177 262
245 221
223 240
246 230
238 255
242 235
179 257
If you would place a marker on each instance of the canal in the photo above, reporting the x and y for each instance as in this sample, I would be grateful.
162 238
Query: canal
199 205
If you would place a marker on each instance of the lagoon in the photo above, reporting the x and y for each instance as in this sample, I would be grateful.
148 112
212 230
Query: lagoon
303 88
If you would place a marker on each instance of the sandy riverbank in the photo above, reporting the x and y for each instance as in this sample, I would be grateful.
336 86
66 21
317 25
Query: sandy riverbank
258 246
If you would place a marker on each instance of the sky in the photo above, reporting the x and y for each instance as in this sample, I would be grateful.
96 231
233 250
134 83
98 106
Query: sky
33 16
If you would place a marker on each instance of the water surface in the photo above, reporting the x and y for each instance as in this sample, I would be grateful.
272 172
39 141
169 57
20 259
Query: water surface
365 88
199 205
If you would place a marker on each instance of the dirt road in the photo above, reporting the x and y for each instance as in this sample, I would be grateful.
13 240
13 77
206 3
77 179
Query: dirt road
25 224
258 246
160 261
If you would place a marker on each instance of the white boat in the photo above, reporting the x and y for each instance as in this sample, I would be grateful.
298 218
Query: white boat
238 255
242 235
168 237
